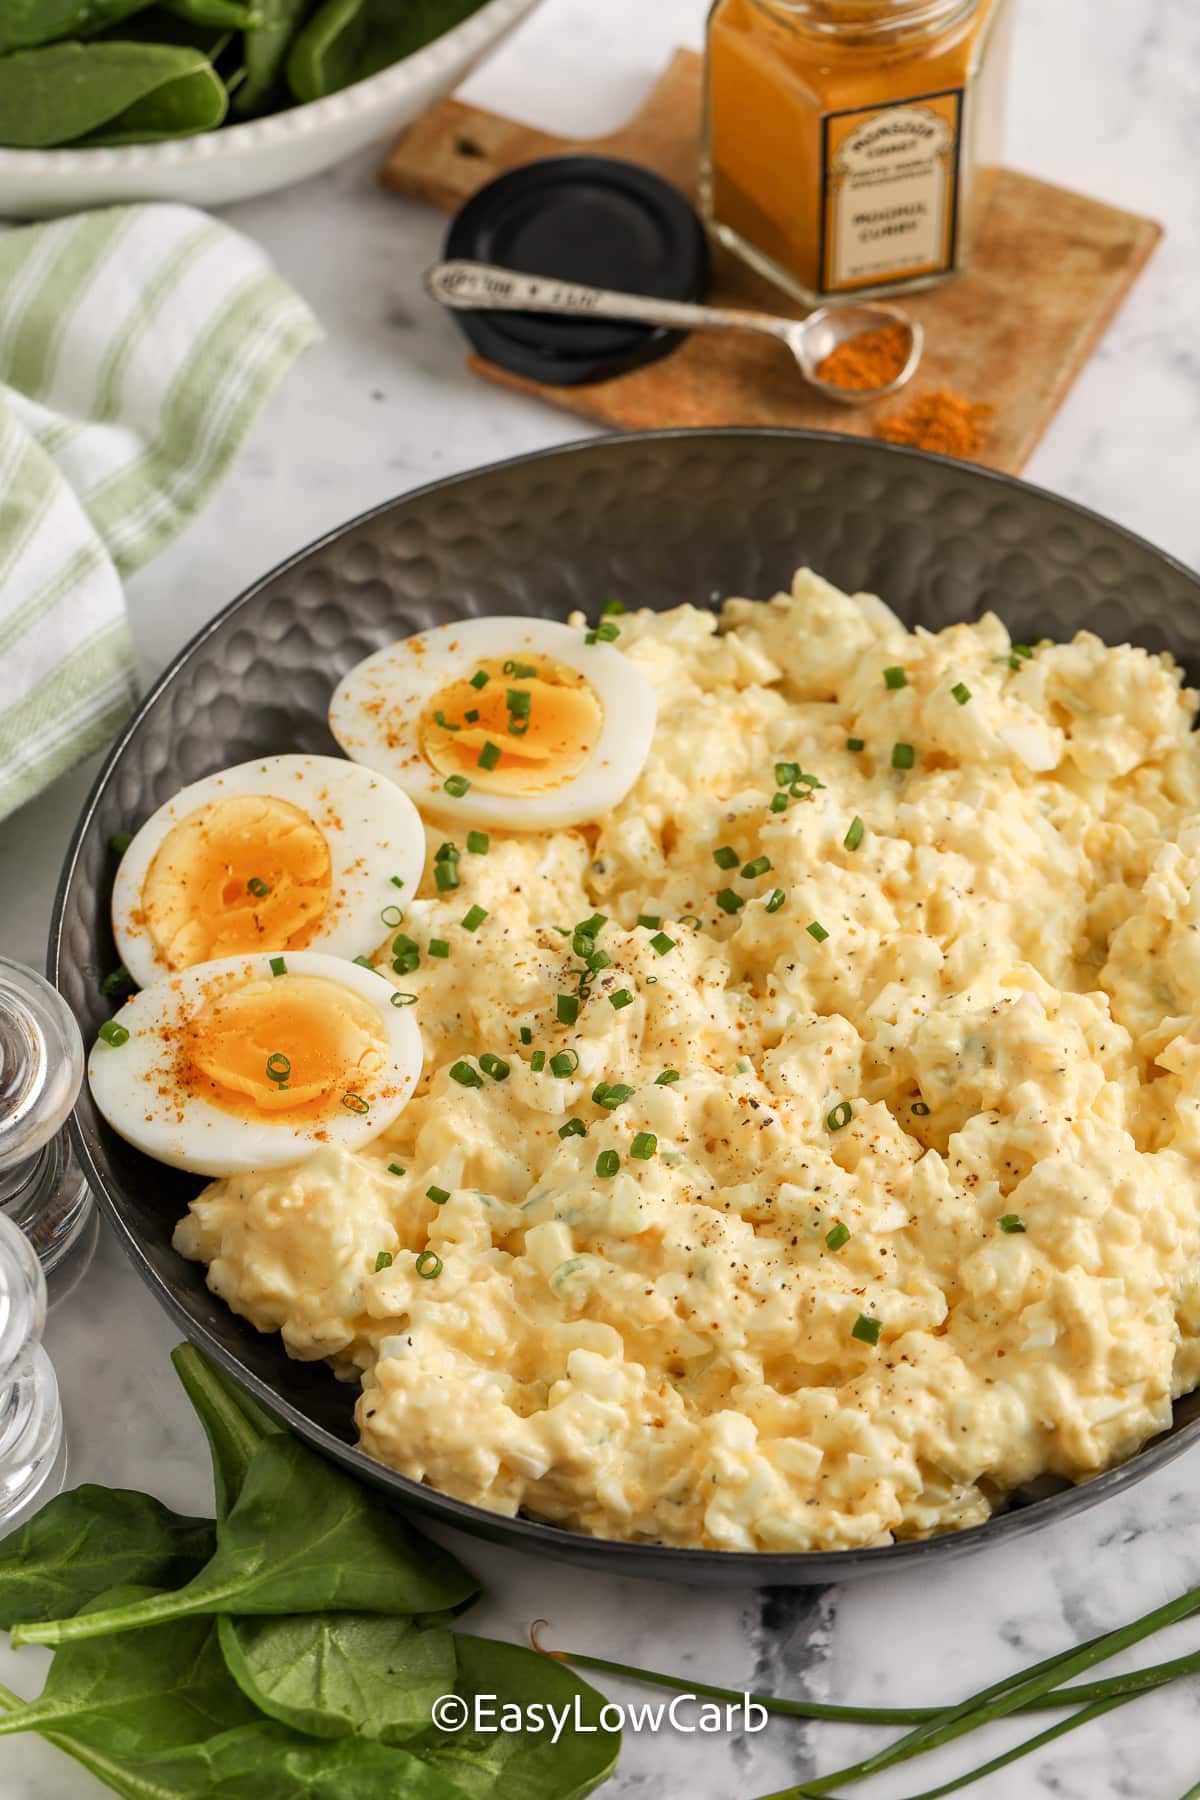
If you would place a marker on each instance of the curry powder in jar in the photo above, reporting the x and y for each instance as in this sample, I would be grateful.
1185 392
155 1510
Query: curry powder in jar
850 146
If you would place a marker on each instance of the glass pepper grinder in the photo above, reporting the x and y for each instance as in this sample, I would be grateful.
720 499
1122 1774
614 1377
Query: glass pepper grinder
42 1189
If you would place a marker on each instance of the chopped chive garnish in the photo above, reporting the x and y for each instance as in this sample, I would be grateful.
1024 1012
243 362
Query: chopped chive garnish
526 1035
438 1195
355 1103
120 982
606 634
114 1034
643 1146
662 943
406 956
667 1078
649 921
759 866
620 1000
573 1128
258 887
1013 1224
444 722
895 679
837 1237
1024 651
613 608
691 921
730 902
495 1066
364 962
445 875
865 1329
479 679
610 1095
854 836
489 756
607 1164
521 671
778 896
473 918
920 1108
465 1075
402 999
120 841
566 1008
808 781
856 744
779 803
439 947
537 1061
786 773
278 1069
564 1063
594 926
961 692
395 1169
392 916
478 843
456 786
472 717
817 931
448 852
725 857
397 881
519 702
278 966
903 756
429 1265
840 1117
383 1261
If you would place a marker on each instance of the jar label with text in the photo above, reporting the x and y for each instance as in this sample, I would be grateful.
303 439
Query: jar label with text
891 192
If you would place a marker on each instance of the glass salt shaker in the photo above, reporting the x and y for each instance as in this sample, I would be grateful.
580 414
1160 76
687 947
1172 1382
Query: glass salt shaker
32 1455
42 1189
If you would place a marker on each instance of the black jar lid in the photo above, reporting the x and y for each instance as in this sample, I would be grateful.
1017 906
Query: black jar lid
589 219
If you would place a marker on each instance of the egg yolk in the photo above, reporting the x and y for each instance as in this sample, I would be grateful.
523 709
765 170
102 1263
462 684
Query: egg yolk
286 1047
248 873
530 728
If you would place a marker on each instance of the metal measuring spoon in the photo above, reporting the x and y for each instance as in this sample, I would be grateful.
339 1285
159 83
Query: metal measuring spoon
478 287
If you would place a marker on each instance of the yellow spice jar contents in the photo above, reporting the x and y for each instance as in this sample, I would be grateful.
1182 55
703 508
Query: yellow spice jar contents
850 145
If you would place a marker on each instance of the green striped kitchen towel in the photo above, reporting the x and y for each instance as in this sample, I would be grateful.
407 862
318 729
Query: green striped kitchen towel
137 345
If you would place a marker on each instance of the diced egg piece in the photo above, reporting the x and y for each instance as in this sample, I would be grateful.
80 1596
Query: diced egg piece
286 853
256 1062
517 723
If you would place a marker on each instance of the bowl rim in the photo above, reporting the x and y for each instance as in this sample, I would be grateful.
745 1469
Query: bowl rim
470 37
644 1558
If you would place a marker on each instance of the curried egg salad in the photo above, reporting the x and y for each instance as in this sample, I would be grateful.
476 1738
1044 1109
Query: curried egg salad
807 1148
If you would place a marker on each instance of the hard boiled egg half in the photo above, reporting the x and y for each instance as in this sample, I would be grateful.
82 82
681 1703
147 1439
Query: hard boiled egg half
520 723
256 1062
287 853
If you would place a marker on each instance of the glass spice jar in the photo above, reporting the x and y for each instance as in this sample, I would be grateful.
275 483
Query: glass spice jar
850 146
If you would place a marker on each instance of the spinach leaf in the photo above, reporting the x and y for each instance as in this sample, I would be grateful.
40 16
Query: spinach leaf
66 91
24 24
301 1537
267 49
341 1674
89 1540
178 109
168 1685
230 15
528 1764
234 1424
154 26
348 40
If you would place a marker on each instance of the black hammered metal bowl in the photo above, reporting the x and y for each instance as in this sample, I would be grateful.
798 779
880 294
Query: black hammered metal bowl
658 518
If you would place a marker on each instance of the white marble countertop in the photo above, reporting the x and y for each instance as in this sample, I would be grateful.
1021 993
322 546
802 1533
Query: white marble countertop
1105 100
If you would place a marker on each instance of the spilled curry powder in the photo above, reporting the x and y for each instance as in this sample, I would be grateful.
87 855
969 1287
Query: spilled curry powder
942 421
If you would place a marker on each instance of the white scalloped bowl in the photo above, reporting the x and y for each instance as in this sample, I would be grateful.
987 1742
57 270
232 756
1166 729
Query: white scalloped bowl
239 161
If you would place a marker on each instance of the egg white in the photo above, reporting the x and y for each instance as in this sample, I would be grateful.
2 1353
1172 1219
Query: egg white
371 827
408 674
190 1133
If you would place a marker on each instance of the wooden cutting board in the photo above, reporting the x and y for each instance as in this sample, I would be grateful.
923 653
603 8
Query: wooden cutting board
1050 271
